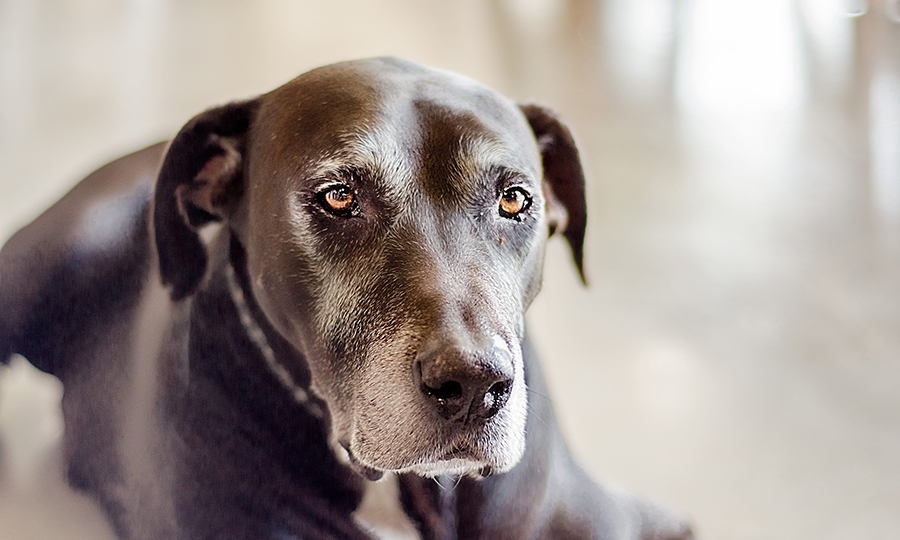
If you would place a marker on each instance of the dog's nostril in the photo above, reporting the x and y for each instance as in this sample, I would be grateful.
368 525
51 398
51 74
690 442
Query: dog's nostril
498 389
448 391
494 398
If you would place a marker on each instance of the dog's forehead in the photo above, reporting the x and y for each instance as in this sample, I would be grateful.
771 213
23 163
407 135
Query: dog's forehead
394 116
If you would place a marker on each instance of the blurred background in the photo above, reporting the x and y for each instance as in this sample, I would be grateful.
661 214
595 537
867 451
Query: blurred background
737 353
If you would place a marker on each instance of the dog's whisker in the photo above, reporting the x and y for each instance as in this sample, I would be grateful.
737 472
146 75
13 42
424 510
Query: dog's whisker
537 416
538 394
436 480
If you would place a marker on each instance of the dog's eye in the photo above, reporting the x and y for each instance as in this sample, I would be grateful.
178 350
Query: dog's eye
338 199
513 202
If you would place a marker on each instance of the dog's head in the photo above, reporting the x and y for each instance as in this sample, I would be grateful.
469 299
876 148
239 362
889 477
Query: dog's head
394 220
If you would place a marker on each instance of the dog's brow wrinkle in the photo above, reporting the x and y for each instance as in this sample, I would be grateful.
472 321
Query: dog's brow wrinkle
489 154
380 150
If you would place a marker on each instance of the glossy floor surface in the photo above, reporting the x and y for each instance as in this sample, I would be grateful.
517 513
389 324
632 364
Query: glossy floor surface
737 353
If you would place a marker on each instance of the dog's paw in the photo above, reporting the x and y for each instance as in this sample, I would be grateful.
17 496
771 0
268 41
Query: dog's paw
658 522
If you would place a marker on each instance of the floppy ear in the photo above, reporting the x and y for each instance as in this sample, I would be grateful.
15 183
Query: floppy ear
201 181
563 179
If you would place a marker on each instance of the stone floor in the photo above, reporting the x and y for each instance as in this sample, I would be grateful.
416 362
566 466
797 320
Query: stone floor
738 350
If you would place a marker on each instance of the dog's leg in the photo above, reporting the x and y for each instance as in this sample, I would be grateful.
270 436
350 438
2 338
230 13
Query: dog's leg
560 499
76 261
547 496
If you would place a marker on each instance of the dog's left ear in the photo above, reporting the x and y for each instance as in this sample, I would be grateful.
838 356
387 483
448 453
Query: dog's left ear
563 179
201 181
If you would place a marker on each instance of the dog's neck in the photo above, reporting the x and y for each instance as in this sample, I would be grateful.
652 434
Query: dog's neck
246 407
258 336
260 358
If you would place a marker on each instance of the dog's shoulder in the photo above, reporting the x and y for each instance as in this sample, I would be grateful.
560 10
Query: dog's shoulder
77 261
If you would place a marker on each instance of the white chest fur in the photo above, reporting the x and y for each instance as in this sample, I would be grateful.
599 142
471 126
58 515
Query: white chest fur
382 514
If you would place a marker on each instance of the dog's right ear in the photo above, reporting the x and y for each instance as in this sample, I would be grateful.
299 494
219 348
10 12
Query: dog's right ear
563 180
201 181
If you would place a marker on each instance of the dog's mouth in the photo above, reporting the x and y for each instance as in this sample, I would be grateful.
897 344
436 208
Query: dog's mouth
364 470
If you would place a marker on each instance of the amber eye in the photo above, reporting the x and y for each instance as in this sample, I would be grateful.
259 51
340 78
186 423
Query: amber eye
513 202
338 199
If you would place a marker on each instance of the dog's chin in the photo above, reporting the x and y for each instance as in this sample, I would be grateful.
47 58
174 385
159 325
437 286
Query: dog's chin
456 463
451 467
445 467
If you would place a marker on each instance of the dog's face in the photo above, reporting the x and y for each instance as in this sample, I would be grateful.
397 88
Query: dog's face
394 219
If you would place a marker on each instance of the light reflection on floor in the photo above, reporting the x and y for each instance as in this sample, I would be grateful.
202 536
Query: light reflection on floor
738 351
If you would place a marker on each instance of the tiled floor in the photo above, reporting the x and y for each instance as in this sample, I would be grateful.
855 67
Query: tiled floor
738 351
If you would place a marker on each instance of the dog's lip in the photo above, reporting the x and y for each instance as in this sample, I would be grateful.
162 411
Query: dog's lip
451 467
368 472
459 452
458 455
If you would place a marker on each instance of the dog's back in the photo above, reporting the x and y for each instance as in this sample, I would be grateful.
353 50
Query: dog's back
64 277
81 298
70 284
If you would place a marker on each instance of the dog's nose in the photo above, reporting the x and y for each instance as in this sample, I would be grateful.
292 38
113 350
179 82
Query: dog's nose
464 385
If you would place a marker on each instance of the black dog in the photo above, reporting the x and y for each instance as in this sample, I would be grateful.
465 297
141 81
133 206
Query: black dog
354 309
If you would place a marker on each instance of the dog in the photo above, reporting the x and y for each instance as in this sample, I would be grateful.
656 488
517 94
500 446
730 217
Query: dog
302 318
